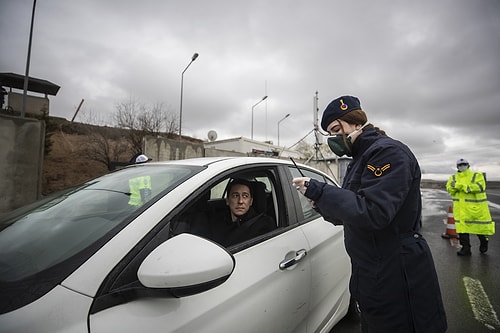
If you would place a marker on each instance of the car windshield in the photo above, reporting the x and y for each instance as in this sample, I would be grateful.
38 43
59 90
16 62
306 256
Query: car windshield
73 224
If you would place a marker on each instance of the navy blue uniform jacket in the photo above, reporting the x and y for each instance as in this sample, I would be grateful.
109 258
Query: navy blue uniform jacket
393 274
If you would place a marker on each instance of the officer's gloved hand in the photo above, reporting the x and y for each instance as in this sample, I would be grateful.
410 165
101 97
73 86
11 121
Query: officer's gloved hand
460 187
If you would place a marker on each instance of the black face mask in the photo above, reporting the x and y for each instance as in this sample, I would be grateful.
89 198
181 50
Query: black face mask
341 144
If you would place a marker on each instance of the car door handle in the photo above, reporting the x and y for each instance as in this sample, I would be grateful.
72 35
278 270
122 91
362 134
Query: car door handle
299 255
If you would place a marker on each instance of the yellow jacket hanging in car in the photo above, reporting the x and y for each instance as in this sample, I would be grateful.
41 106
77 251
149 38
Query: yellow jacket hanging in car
470 204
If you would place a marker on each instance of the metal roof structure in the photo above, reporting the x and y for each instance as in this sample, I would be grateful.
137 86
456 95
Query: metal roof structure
16 81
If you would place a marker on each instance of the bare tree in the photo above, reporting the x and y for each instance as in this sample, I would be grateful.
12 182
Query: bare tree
171 125
114 146
141 120
105 145
308 151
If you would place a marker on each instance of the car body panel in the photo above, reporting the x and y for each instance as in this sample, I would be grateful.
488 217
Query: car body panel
60 310
256 290
330 270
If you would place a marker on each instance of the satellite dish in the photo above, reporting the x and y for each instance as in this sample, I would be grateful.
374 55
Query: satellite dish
212 135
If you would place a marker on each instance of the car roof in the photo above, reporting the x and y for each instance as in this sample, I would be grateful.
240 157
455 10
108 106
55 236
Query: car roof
205 161
230 162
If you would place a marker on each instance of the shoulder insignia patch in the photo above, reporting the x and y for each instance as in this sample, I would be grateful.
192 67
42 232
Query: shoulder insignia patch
378 171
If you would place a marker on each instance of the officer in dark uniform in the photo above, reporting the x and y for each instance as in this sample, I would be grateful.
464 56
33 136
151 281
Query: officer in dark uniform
393 275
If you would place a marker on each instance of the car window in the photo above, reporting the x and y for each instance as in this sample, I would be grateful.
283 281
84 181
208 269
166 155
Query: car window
306 208
218 191
208 214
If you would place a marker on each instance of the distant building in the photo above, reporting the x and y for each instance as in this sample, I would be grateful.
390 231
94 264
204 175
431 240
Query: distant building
163 149
35 105
251 147
334 166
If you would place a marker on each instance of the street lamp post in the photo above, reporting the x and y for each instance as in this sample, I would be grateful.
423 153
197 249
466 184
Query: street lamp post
28 57
288 115
253 106
193 58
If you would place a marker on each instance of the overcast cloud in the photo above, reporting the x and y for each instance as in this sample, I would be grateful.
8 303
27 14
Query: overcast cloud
427 72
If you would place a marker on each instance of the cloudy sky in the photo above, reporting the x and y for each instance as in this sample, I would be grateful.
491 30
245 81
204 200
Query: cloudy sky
427 72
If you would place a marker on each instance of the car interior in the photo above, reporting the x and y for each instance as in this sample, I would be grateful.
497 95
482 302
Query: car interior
195 218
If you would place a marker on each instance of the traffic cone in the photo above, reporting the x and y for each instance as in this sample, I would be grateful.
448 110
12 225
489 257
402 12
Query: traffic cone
451 230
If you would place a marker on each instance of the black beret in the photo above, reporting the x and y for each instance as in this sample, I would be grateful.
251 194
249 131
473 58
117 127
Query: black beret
339 107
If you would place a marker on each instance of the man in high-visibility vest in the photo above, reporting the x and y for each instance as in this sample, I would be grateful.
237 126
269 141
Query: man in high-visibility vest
470 207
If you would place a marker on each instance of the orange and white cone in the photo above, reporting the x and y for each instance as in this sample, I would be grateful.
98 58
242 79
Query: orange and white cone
451 230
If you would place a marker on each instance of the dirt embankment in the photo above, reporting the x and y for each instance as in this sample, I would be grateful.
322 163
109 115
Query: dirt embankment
65 166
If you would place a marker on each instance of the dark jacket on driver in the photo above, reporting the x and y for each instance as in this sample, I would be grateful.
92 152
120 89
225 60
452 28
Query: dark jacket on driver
252 224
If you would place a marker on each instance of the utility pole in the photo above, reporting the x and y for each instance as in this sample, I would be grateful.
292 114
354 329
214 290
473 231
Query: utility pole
26 75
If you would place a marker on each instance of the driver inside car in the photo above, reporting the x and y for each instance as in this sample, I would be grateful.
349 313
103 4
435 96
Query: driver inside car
241 221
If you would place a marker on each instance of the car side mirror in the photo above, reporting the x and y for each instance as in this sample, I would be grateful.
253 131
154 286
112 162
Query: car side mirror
186 264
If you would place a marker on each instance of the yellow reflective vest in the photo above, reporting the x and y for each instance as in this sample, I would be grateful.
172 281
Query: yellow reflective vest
140 190
470 205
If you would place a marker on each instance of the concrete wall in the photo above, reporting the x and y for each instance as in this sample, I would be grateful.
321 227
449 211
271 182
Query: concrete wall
21 159
34 104
211 152
161 149
242 144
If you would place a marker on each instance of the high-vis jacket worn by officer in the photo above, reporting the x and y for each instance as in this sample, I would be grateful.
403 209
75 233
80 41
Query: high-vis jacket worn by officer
470 204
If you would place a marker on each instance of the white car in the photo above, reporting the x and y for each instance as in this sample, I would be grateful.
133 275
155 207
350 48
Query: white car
123 253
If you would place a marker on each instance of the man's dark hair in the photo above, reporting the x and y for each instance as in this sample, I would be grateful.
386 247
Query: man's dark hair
239 181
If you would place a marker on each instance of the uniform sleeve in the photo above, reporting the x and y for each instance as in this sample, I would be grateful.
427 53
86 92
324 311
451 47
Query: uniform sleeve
383 187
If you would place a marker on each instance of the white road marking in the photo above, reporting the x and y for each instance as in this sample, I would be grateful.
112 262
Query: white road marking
494 205
481 306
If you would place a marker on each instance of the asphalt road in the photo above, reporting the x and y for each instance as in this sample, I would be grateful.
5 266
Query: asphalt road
470 286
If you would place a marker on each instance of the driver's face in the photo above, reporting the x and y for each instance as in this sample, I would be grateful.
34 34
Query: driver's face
239 200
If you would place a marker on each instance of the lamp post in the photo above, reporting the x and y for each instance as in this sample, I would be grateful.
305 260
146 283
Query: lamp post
28 57
253 106
193 58
288 115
